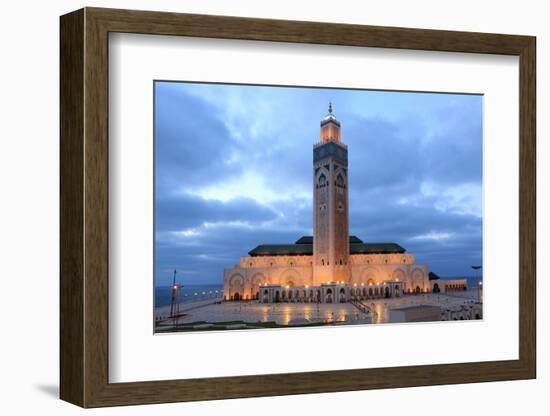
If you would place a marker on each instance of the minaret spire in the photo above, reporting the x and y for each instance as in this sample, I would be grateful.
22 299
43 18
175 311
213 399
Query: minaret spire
330 204
330 127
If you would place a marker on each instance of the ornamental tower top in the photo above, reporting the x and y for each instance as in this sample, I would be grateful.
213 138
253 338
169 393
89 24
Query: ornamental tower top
330 127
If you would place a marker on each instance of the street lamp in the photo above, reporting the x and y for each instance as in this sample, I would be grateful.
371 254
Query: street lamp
480 285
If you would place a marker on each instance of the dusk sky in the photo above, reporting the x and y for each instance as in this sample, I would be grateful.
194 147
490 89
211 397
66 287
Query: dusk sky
233 168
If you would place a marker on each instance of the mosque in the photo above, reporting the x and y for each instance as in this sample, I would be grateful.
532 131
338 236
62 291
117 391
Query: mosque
331 266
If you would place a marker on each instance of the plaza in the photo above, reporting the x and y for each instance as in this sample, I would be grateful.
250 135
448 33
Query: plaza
464 305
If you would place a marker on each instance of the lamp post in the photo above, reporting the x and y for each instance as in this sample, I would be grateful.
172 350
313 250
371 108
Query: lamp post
174 304
480 286
479 283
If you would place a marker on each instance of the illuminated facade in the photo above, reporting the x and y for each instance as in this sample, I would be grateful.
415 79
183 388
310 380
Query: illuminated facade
331 266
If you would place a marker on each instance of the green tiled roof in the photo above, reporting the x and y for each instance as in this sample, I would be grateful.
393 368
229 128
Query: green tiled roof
307 239
282 250
368 248
304 247
433 276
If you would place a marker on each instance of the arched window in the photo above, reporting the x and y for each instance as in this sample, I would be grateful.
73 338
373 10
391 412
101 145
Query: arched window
340 181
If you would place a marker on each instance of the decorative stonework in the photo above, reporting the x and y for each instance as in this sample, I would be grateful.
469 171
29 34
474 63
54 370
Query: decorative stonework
405 258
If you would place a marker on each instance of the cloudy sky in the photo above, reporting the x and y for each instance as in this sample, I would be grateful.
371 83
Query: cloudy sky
233 169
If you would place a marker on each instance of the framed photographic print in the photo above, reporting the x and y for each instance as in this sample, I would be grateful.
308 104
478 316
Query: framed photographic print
255 207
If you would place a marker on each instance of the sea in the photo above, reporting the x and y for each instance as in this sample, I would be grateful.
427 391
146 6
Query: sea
187 293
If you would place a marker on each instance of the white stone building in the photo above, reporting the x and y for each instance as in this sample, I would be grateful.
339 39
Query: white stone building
332 266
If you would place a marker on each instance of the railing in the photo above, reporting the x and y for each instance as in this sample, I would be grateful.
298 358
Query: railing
362 307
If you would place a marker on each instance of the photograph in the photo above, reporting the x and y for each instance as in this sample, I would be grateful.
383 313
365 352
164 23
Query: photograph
292 206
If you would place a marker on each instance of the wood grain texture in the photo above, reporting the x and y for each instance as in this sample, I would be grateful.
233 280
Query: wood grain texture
527 208
84 207
71 213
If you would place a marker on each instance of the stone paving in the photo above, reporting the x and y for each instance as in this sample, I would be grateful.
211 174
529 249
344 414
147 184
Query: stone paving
281 313
299 313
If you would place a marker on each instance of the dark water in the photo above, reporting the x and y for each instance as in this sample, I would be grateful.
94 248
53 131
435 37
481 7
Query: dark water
163 294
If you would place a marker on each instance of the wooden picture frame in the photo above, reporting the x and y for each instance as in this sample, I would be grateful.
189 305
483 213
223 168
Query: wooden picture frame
84 207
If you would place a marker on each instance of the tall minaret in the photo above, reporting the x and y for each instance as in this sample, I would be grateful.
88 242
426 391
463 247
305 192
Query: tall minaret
330 204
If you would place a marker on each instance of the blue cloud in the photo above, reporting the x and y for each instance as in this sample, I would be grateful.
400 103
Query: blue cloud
233 168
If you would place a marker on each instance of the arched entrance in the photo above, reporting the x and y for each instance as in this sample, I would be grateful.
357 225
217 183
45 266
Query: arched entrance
277 296
436 288
417 290
398 275
255 284
328 296
265 298
236 287
342 295
387 292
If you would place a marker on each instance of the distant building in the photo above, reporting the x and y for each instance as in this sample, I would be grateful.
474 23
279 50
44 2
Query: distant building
448 285
331 266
